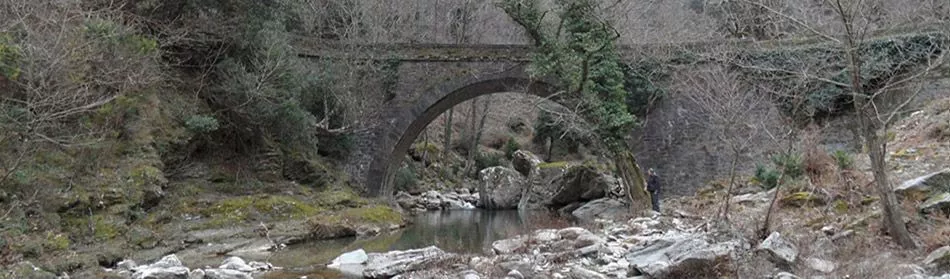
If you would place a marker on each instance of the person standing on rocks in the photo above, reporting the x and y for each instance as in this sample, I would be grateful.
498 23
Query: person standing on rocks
653 187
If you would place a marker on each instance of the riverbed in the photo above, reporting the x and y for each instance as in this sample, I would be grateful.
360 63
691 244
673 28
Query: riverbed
457 231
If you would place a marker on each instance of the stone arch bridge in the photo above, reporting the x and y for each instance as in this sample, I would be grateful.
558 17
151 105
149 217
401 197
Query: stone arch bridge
430 79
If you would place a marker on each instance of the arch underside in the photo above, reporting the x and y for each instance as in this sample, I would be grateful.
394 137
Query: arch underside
404 125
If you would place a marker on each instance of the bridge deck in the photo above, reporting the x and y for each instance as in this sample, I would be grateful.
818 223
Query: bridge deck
310 47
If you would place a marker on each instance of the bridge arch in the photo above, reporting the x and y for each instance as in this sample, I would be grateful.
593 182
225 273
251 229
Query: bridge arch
403 125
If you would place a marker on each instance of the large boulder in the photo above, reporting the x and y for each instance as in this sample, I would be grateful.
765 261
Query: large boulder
924 186
681 256
500 188
508 246
579 184
939 258
602 208
780 250
406 201
389 264
525 162
386 265
939 201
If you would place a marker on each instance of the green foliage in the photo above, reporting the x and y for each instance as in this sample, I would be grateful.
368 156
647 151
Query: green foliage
844 159
484 160
641 81
56 242
511 146
767 177
263 91
201 124
790 163
581 53
336 146
551 165
883 61
10 56
112 34
406 179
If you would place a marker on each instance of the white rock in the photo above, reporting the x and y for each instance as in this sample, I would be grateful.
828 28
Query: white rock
580 272
126 265
514 273
236 263
174 272
782 251
939 256
820 265
507 246
936 202
166 262
352 257
196 274
547 235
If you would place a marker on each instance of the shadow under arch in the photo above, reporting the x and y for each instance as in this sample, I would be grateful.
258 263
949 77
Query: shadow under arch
404 125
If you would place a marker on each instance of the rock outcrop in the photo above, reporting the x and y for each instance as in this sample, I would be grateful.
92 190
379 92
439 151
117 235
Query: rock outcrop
603 208
933 189
680 255
925 185
386 265
500 188
579 184
780 251
525 162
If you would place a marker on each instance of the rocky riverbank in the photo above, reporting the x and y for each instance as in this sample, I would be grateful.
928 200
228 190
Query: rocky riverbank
651 247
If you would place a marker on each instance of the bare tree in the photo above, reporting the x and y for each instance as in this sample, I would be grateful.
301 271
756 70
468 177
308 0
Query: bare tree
727 107
880 87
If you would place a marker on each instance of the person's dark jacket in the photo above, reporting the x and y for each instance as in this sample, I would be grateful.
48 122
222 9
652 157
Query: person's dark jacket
653 183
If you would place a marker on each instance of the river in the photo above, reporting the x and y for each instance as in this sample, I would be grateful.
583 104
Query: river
459 231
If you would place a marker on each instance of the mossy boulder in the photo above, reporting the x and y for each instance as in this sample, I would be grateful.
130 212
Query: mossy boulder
310 172
258 208
338 199
345 223
803 198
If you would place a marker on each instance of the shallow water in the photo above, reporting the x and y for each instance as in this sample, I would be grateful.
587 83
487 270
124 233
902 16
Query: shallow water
461 231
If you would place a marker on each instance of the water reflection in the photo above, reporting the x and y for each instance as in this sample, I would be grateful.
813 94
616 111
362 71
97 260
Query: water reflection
462 231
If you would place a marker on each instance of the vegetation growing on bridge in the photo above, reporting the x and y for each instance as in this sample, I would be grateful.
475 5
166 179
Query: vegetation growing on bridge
580 51
827 91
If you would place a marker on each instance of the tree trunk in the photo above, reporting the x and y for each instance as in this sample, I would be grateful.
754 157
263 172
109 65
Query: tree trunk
633 181
481 126
447 136
550 148
767 224
893 216
425 147
876 146
470 135
732 183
